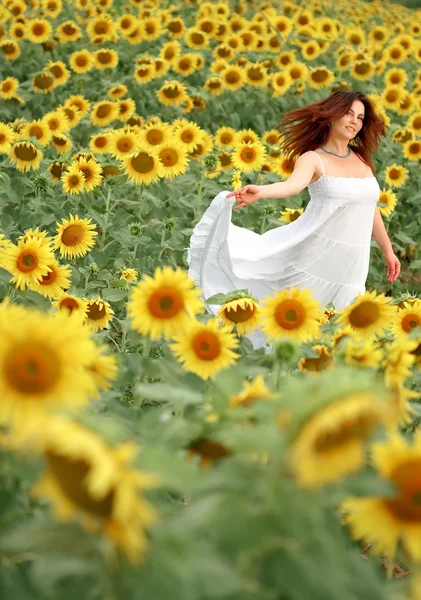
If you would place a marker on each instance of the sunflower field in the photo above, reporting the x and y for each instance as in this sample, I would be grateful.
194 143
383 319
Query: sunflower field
147 449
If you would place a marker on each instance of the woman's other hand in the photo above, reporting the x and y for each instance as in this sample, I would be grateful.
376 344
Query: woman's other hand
393 266
246 195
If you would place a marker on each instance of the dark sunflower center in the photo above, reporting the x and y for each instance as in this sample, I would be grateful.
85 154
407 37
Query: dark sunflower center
70 304
364 314
71 475
26 152
240 315
95 312
142 162
165 303
27 261
72 235
358 428
206 345
32 368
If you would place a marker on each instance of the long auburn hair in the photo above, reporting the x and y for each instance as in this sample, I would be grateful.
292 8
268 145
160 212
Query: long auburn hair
307 128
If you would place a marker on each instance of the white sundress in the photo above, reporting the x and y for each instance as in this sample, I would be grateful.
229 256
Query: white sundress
326 250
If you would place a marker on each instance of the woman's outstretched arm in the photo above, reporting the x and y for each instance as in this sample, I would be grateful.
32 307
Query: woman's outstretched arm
304 170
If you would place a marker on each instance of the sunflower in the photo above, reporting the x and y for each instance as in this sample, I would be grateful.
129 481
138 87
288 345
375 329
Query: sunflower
37 129
71 306
249 156
10 49
396 175
56 170
389 198
256 75
61 143
188 135
252 391
291 313
154 135
100 143
44 82
80 103
395 76
101 28
185 64
144 73
368 315
129 275
105 59
214 85
103 367
127 23
73 180
394 53
8 89
392 96
205 348
362 353
126 108
298 71
384 521
25 156
68 31
405 320
123 142
398 359
38 373
81 61
117 91
59 71
38 30
27 261
98 314
56 121
172 93
414 123
203 146
289 215
328 441
170 51
281 81
176 27
164 304
412 150
143 166
196 39
54 282
320 77
103 113
7 138
315 366
225 136
91 171
240 312
75 237
88 481
73 115
362 70
174 159
233 77
310 50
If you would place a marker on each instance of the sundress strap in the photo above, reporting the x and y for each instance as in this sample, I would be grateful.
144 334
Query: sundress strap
321 162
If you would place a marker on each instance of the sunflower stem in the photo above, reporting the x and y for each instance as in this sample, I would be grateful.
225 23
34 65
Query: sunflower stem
145 356
107 212
262 225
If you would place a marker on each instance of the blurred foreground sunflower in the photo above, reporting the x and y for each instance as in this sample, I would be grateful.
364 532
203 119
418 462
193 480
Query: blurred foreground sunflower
384 522
88 481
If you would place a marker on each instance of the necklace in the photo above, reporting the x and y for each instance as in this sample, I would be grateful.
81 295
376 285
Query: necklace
338 155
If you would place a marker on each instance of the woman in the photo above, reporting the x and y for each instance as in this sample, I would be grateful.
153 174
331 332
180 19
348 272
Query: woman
327 249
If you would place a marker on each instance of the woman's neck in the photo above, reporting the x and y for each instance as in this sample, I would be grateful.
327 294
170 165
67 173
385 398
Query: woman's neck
337 146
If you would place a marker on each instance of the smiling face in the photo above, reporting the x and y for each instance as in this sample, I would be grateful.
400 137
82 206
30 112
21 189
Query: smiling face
350 124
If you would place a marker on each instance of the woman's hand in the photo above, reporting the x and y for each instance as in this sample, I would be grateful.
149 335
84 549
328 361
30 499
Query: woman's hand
393 266
246 195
